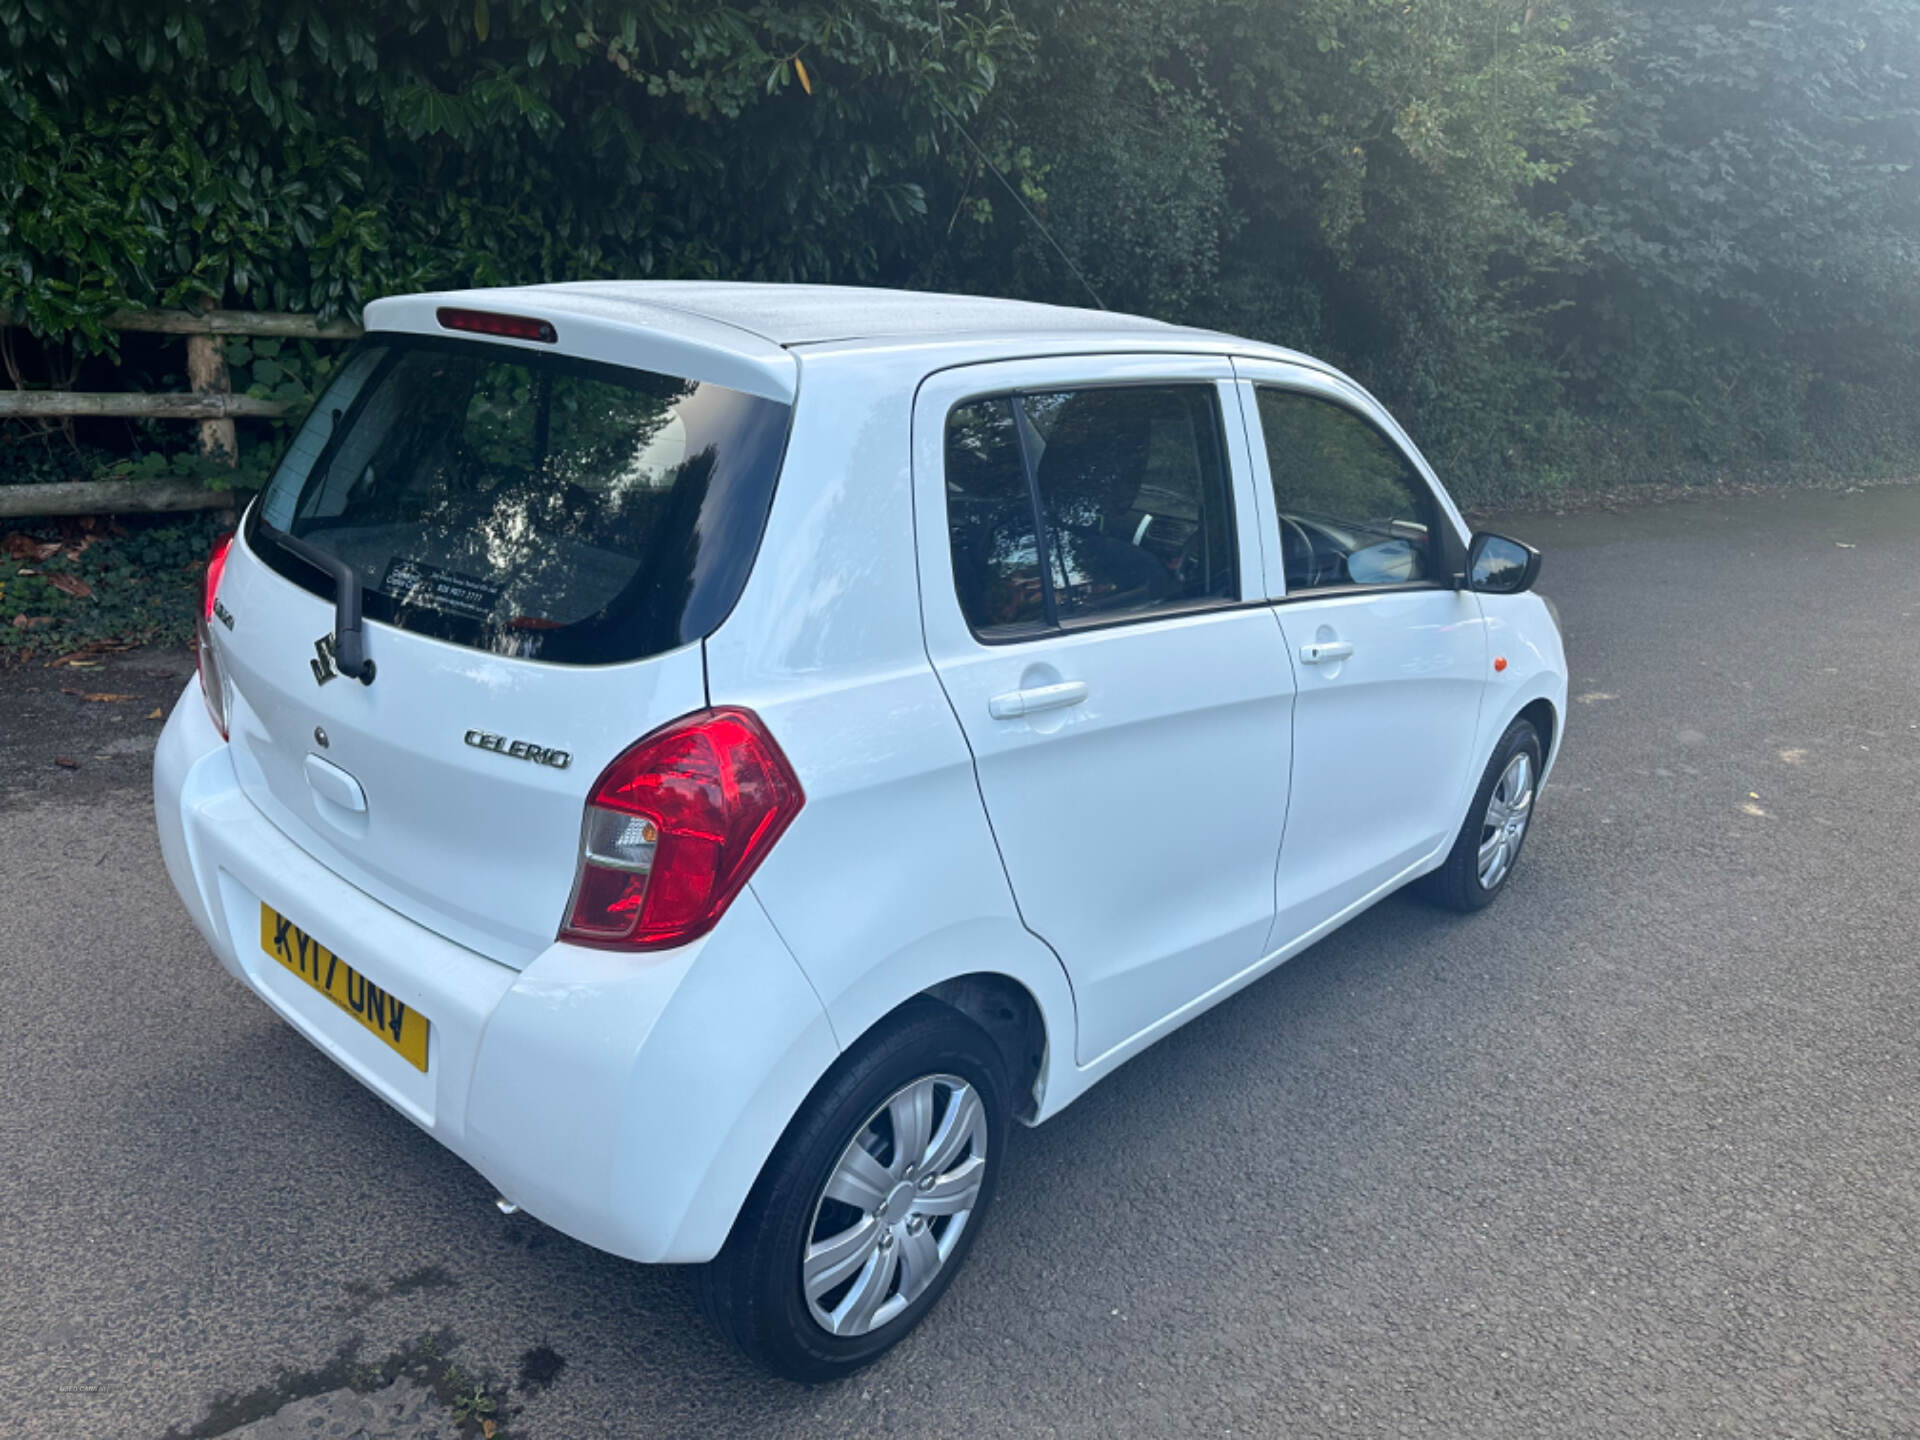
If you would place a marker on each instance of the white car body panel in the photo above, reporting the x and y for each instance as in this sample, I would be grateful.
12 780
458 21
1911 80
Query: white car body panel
1522 631
1140 826
563 1083
825 646
1394 736
1385 743
477 845
1179 833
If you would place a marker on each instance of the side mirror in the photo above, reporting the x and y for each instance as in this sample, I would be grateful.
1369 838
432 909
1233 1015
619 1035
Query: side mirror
1499 566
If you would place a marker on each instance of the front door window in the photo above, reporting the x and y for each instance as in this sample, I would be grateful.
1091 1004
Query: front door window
1352 509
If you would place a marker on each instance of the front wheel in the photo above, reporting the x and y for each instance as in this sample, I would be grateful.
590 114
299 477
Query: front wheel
1488 846
869 1203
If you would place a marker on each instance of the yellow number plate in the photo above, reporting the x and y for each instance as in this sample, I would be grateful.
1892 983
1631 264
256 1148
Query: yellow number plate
404 1030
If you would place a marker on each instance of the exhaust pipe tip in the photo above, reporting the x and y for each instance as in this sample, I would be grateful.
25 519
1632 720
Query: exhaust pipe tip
505 1206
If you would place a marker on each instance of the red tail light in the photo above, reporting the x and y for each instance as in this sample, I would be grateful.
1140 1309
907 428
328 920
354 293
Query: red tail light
676 827
213 683
216 567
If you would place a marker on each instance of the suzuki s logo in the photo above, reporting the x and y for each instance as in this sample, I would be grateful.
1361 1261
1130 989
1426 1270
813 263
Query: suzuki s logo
322 663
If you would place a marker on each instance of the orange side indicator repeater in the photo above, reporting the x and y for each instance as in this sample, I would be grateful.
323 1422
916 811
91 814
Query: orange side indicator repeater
1499 663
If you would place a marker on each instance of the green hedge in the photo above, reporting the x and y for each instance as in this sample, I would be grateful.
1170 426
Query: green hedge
1638 237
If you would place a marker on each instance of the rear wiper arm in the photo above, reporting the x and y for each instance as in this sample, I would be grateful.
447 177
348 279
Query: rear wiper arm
349 642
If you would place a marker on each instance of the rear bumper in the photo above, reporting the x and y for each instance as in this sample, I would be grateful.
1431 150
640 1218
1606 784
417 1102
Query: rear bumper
628 1101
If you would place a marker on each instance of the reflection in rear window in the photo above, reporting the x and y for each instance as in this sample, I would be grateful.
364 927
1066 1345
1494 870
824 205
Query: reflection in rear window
526 503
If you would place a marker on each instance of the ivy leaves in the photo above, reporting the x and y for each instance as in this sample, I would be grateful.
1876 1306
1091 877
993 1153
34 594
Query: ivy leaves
1512 217
312 154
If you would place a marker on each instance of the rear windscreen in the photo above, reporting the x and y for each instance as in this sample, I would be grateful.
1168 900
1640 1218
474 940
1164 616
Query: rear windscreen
527 504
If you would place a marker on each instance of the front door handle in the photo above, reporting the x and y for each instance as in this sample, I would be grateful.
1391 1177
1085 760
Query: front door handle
1015 703
1325 651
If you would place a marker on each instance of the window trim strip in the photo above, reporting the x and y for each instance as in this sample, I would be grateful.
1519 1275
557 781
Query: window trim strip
1022 426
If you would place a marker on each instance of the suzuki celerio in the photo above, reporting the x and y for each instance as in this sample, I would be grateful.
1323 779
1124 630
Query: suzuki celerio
714 756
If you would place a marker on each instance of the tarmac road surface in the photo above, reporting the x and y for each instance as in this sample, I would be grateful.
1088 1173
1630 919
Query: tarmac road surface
1632 1153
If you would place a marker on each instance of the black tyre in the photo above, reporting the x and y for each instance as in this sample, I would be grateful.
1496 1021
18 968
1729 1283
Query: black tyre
870 1202
1488 846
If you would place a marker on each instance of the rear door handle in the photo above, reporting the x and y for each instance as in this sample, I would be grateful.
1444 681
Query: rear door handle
1325 651
1015 703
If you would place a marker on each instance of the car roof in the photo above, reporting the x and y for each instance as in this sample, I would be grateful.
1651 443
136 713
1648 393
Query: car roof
790 315
819 314
745 334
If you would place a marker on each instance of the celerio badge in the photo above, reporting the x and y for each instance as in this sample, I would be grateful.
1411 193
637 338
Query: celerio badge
519 749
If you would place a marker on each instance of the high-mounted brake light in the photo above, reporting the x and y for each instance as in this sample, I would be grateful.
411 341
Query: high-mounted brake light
488 322
213 681
674 829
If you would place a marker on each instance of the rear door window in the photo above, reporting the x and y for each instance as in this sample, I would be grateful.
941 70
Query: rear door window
1133 492
1089 506
525 503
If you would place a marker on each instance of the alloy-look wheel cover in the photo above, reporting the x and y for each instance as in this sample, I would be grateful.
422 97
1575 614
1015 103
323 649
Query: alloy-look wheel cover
1509 808
895 1205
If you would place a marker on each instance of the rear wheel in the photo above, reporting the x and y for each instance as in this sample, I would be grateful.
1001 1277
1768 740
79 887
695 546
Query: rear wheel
869 1203
1488 845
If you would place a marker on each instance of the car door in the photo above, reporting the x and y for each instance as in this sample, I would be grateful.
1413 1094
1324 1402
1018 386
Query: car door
1391 658
1091 595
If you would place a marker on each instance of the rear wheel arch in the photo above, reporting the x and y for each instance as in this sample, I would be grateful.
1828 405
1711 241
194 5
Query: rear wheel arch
978 967
1011 1015
1005 1008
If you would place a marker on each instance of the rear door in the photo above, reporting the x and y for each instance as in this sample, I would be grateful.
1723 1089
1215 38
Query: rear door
1392 660
1087 547
542 541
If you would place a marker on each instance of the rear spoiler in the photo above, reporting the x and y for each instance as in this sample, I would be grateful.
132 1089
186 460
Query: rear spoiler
598 323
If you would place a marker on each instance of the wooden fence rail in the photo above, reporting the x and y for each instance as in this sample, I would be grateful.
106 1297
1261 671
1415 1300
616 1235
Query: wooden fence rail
264 323
109 497
66 404
211 403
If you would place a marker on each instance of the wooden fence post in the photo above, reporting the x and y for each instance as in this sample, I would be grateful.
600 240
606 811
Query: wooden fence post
207 374
212 403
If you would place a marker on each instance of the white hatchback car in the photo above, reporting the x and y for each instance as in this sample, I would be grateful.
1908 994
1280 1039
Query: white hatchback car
794 732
